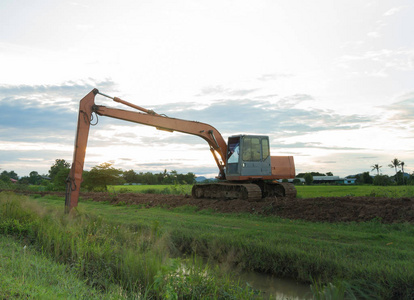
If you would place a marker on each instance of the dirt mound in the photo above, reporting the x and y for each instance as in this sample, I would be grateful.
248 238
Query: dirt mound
322 209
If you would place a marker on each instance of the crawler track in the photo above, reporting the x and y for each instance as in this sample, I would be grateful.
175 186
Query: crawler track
227 191
277 189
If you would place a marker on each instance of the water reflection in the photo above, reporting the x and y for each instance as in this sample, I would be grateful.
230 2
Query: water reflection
276 288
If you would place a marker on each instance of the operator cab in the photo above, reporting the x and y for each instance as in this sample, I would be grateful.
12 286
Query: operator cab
248 155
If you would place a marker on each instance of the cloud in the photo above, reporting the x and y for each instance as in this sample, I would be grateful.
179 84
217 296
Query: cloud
65 95
272 77
379 62
401 113
263 117
314 145
293 100
42 112
35 124
374 34
404 107
393 11
220 90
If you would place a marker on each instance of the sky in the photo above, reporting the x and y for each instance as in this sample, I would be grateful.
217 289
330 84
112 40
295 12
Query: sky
330 82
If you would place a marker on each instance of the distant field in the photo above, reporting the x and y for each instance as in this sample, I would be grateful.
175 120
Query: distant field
313 191
303 191
181 189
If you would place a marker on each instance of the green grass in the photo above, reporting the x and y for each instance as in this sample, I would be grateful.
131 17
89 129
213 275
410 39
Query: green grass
26 274
137 259
369 258
304 191
313 191
128 244
179 189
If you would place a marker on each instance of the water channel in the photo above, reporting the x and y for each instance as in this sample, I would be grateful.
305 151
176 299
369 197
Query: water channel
271 287
276 288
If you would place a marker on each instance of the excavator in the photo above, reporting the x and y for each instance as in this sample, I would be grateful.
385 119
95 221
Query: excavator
247 171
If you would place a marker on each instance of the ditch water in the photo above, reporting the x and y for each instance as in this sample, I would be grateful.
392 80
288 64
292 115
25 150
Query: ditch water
276 288
271 287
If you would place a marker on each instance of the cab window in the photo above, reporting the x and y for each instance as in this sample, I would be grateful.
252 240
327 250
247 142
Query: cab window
252 149
265 148
233 149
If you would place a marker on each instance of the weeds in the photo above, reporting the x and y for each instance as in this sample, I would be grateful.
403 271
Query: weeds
107 254
26 274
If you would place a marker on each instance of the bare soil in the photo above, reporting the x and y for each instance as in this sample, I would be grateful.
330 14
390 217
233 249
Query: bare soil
321 209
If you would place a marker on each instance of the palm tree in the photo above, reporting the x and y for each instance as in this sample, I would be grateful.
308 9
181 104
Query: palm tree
395 163
402 164
376 167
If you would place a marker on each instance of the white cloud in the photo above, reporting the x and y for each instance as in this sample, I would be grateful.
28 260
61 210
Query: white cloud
312 75
393 11
374 34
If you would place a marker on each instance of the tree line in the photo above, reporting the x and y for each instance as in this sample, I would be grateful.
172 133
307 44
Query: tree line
100 176
400 177
97 179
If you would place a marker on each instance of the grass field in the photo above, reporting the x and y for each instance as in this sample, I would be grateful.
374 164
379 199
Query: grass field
313 191
134 259
122 246
370 260
181 189
27 274
304 191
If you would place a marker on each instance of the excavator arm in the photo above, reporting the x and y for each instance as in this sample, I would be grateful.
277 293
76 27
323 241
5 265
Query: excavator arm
87 106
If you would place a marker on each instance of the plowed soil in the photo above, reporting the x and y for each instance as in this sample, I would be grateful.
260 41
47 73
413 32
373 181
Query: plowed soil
322 209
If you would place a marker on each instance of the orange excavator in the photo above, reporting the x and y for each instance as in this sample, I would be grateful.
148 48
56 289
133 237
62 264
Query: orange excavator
246 169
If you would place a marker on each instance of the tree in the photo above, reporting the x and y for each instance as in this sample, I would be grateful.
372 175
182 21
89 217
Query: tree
24 180
6 176
308 178
399 178
34 178
382 180
395 163
402 164
366 178
130 176
329 174
100 176
13 175
411 179
302 175
376 167
57 166
59 181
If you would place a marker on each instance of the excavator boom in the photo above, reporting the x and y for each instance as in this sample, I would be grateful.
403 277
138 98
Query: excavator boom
245 163
87 106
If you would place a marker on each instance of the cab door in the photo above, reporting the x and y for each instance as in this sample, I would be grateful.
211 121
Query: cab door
255 160
233 157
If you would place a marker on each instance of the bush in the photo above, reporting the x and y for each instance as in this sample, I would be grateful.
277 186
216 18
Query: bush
308 178
382 180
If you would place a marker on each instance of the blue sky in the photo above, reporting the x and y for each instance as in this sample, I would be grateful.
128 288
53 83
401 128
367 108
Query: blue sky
331 82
